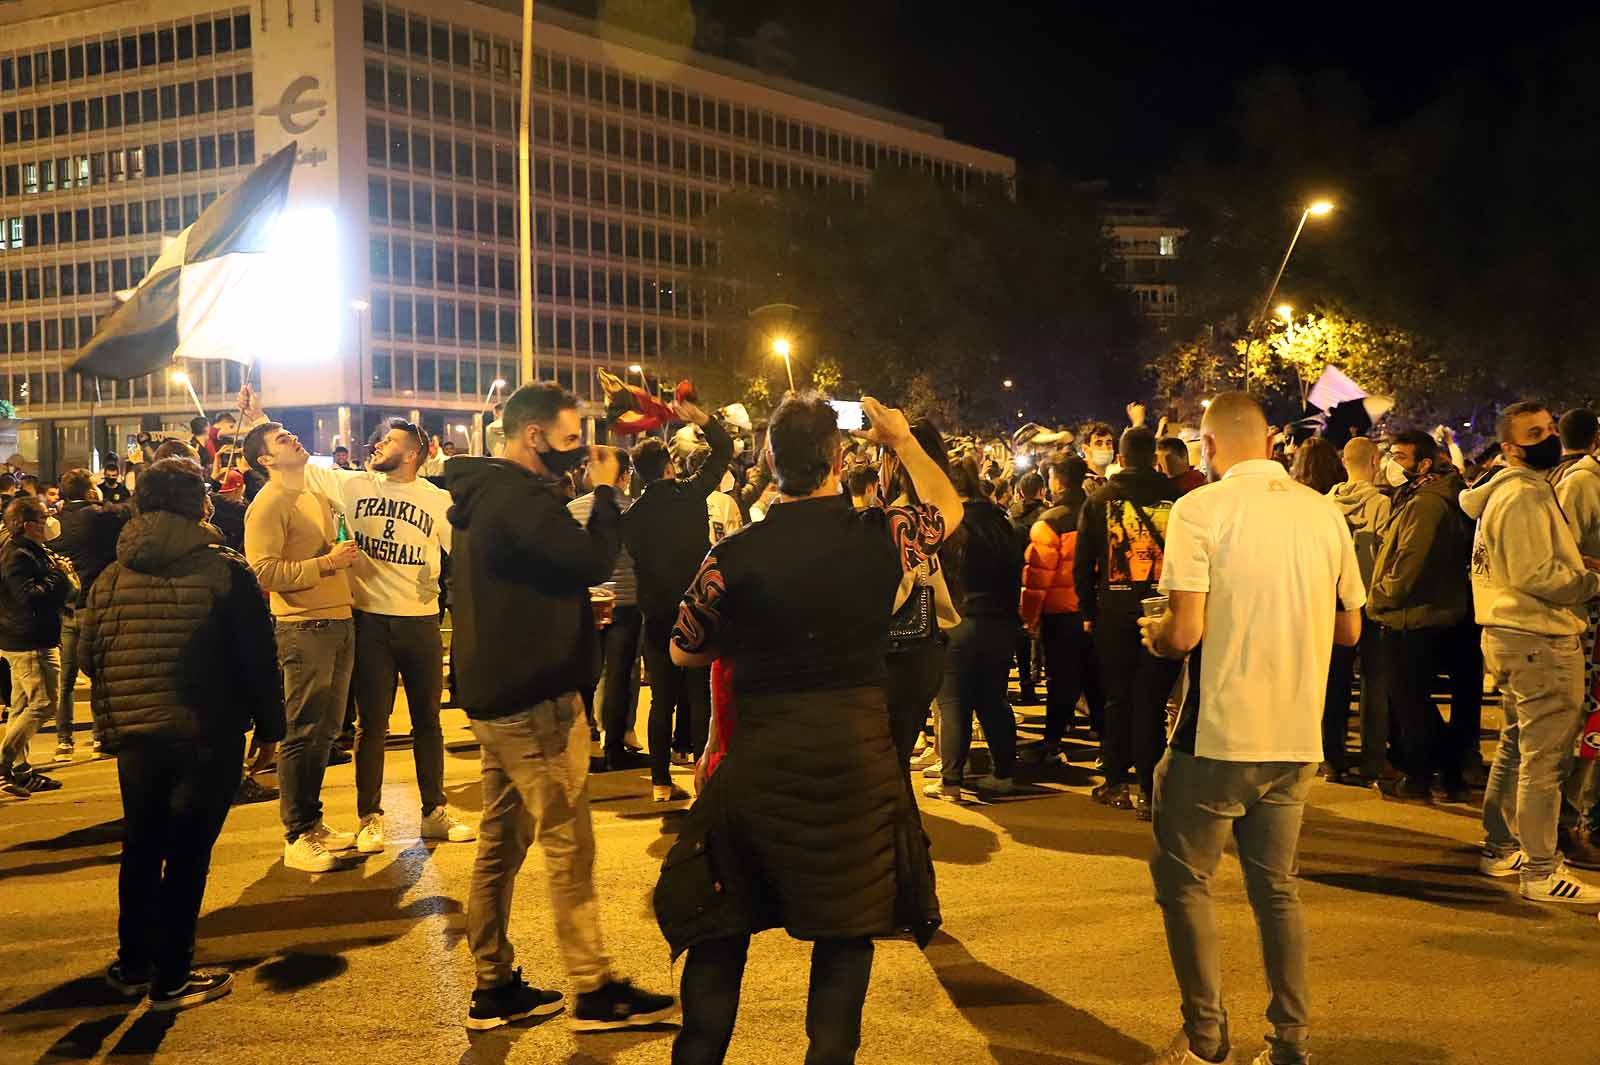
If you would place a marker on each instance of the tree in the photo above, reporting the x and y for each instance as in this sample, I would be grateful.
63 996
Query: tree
916 289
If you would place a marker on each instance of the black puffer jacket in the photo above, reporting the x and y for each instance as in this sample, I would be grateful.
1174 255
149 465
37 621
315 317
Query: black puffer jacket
178 639
35 585
89 534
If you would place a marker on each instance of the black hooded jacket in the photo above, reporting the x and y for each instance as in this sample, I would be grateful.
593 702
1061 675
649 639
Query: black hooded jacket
1119 552
520 574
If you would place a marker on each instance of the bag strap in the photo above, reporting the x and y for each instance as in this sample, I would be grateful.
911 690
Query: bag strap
1149 526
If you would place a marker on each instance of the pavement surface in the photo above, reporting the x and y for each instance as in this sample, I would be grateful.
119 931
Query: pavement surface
1052 951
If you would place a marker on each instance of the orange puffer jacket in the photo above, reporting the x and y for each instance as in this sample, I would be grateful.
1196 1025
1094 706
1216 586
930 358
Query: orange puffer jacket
1047 567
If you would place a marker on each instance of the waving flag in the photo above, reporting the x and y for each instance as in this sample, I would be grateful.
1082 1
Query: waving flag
195 302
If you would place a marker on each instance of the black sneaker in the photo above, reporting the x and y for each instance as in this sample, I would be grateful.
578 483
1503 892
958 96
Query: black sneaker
625 759
621 1005
202 986
511 1001
36 782
337 755
250 791
12 788
1404 790
126 980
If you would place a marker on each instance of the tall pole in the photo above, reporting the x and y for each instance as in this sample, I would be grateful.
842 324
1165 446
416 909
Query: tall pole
525 195
1273 291
789 367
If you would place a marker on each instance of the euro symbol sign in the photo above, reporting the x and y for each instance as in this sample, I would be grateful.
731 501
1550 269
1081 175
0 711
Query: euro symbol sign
294 103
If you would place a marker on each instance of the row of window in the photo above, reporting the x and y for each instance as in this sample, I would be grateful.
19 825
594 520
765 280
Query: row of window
416 207
54 280
151 104
464 323
170 158
455 103
45 334
423 265
442 373
171 43
415 36
29 387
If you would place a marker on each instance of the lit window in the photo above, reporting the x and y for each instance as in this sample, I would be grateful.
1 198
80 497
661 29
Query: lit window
1169 245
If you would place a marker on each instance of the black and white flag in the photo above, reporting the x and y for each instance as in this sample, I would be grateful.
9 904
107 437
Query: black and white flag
197 300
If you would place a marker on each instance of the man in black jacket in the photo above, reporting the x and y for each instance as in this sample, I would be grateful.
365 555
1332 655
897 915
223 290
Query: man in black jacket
1121 537
667 535
35 584
89 532
524 643
112 490
179 642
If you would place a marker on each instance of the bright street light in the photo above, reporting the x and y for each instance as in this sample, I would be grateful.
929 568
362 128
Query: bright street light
1006 383
636 368
1319 208
1285 311
499 382
360 306
780 348
179 377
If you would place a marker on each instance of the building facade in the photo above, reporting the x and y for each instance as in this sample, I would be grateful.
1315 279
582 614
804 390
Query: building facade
1145 247
120 122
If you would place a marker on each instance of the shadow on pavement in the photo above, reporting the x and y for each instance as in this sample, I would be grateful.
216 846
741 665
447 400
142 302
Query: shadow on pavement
105 837
999 1006
494 1047
101 835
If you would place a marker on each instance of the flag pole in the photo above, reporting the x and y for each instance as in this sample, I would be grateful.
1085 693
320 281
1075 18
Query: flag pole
525 199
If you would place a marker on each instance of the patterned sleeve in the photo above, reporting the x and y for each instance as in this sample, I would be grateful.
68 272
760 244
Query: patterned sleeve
700 613
916 530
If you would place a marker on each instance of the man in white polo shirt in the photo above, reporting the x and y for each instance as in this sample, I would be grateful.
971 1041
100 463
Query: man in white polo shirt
1264 571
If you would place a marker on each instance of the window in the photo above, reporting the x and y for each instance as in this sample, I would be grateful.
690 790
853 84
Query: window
224 93
245 84
377 199
397 89
1169 245
372 25
207 91
402 261
377 142
375 83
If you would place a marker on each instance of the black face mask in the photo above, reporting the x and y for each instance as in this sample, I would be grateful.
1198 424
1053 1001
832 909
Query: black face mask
1545 455
561 463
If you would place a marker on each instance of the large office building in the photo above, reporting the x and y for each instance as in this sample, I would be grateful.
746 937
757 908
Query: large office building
122 121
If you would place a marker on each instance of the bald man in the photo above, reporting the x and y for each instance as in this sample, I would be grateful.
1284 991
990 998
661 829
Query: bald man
1264 571
1366 511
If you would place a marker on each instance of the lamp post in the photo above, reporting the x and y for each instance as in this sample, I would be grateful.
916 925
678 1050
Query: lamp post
179 377
1317 209
361 307
780 348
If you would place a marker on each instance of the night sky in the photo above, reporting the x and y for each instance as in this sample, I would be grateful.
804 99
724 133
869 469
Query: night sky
1102 92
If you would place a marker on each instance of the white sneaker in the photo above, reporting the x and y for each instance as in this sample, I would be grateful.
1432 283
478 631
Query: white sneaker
331 839
1510 865
994 785
308 855
934 770
941 790
1561 886
370 839
442 824
1178 1053
921 744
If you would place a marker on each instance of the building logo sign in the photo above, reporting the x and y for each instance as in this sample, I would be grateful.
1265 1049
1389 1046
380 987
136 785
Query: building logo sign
294 103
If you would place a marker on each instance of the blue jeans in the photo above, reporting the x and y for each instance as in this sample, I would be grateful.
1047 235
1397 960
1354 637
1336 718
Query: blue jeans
1198 803
69 679
34 676
315 657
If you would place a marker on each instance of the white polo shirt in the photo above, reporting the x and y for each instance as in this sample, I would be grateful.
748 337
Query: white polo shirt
1276 562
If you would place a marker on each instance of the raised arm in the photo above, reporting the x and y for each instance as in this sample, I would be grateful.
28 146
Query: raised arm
891 430
716 464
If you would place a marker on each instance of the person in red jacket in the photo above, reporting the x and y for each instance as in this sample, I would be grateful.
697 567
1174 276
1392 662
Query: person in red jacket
1050 604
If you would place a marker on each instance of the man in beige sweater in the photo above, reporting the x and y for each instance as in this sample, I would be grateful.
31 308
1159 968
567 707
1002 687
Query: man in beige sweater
291 541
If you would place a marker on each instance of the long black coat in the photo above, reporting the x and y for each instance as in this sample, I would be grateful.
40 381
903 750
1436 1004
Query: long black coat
810 826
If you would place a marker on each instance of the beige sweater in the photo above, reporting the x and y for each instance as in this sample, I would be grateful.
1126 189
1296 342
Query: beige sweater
286 533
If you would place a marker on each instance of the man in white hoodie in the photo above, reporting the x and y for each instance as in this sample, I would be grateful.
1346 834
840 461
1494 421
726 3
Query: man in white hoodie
1577 482
1366 511
1529 589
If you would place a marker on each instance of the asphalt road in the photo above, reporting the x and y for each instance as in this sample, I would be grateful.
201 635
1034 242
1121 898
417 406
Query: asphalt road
1052 950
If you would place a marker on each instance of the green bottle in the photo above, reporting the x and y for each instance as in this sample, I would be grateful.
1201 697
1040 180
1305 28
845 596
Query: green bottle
344 530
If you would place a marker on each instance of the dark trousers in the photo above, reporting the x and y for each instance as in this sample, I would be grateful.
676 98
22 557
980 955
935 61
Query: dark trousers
1152 687
620 648
175 796
1067 654
976 669
840 972
410 647
915 674
1374 705
670 687
1025 673
1336 708
1412 659
1117 648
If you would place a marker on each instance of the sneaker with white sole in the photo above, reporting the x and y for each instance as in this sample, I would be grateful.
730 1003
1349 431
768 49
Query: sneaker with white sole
934 770
307 855
940 790
441 824
201 986
621 1005
332 838
1504 865
126 980
1561 886
64 752
1178 1053
369 840
512 1001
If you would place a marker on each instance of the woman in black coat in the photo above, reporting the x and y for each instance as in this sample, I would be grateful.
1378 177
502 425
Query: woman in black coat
808 823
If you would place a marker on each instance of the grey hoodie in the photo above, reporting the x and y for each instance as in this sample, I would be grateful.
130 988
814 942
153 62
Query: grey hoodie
1527 575
1579 492
1366 510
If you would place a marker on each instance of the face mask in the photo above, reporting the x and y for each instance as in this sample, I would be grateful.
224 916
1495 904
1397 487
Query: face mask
1545 455
1101 457
561 463
1395 474
727 482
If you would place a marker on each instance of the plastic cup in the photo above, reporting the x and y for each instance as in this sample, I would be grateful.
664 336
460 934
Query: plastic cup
1153 607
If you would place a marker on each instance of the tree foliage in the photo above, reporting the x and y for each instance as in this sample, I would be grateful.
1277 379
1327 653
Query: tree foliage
924 296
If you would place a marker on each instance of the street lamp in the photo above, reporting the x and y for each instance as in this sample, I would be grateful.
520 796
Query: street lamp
1286 312
1006 383
181 378
780 348
1318 209
483 427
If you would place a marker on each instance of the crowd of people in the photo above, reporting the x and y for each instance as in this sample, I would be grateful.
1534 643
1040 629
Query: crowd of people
822 616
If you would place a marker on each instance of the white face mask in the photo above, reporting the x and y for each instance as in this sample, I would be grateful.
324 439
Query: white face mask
1101 457
1396 475
727 482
